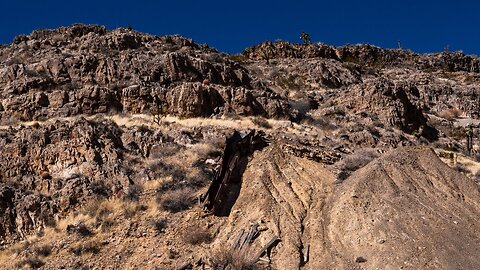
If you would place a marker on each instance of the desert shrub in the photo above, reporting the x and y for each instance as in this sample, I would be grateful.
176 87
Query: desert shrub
239 58
48 220
196 236
161 169
228 258
355 161
43 250
71 86
164 150
450 114
9 121
373 130
79 266
14 61
133 193
461 168
231 116
302 106
291 81
194 183
176 200
93 208
321 123
87 247
456 132
21 247
261 122
131 209
160 224
106 224
79 229
99 188
32 262
335 111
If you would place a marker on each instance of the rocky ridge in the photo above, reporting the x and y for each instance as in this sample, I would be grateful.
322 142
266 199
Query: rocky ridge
90 116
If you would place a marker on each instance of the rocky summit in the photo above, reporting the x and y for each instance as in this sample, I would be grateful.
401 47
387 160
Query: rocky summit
124 150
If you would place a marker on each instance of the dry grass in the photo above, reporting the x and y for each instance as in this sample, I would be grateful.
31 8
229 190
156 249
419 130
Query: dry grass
228 258
197 236
85 247
43 250
152 185
450 114
159 225
357 160
33 262
176 200
461 168
261 122
133 193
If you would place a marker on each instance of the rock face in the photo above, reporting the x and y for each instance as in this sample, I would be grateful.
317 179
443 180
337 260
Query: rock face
443 79
396 104
51 169
407 202
87 69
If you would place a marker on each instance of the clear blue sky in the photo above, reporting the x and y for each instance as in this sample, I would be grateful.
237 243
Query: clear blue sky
230 26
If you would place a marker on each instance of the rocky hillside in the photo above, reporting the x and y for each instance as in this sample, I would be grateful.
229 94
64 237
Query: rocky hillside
109 138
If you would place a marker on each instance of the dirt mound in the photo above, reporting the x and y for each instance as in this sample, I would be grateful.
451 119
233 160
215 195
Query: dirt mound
406 209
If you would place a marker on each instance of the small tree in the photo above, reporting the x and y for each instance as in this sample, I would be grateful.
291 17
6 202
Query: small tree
305 37
158 113
265 56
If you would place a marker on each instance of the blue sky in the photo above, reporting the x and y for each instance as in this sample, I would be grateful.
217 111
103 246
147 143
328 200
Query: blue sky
230 26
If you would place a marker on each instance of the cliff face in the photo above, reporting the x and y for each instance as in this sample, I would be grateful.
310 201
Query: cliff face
108 138
87 69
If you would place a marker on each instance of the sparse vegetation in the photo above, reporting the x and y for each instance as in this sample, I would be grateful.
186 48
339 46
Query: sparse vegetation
261 122
99 188
160 225
158 112
85 247
176 200
292 82
79 229
133 193
239 58
319 122
227 257
91 178
32 262
461 168
355 161
197 236
450 114
305 37
43 250
165 150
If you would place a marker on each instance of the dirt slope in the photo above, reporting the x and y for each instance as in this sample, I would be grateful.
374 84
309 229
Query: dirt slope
286 195
408 209
405 210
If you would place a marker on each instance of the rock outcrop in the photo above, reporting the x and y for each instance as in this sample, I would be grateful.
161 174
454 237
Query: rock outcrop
52 169
87 69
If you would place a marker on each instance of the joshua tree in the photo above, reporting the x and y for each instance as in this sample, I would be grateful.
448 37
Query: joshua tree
158 113
305 37
265 56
